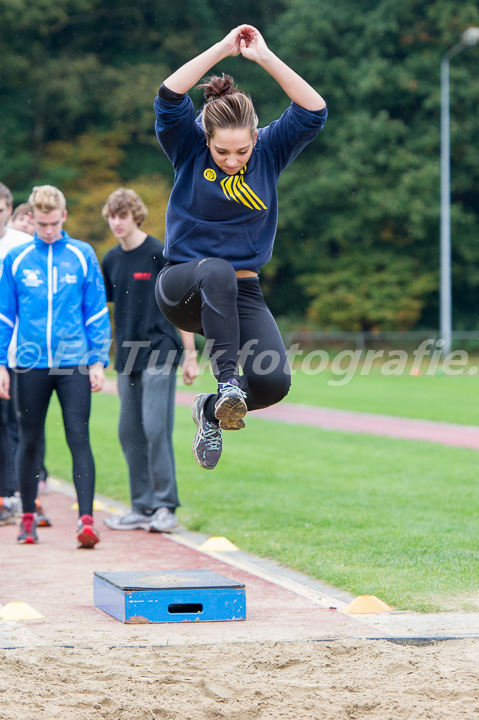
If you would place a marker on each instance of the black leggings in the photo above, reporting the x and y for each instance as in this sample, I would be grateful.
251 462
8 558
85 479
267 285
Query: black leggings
7 451
9 445
34 389
205 297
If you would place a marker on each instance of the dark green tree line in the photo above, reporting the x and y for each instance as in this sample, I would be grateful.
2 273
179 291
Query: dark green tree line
358 239
367 192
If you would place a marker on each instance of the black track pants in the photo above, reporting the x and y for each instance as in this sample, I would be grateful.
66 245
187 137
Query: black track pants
205 297
34 389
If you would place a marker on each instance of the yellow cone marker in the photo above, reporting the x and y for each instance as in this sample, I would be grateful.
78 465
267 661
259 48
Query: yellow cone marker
97 505
19 611
218 544
366 604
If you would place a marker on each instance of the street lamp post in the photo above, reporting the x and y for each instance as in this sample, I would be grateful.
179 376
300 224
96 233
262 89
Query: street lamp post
469 38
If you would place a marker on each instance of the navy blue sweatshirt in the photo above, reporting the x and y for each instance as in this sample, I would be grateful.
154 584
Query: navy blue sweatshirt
212 214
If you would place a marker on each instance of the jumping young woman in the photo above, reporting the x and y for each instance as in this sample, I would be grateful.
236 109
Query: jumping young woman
221 224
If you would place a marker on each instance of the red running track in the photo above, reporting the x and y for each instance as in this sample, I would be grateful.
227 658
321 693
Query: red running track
371 424
358 422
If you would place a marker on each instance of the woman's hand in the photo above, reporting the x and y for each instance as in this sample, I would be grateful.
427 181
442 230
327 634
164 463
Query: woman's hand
245 40
230 45
252 44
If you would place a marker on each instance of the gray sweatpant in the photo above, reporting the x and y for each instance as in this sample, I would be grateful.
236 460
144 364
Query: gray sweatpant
145 430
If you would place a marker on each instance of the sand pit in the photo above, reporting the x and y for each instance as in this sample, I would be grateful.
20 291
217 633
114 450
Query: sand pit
78 663
328 680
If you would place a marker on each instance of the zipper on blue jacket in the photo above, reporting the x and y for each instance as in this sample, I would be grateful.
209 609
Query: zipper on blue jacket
50 305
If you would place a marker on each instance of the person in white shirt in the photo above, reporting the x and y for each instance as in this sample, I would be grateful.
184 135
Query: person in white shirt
9 238
21 219
17 229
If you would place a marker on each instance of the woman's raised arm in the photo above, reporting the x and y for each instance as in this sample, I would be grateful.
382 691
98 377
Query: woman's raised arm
191 72
247 41
253 47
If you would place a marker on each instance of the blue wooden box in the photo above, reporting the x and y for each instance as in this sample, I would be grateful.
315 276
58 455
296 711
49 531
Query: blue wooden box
169 596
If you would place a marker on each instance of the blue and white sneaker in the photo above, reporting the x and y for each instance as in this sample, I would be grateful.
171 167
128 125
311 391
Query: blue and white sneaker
208 443
230 408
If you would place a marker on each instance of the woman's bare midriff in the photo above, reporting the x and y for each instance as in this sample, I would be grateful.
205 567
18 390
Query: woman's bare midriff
245 273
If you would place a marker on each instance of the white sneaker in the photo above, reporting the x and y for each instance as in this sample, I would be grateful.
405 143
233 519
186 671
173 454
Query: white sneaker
7 512
132 520
164 520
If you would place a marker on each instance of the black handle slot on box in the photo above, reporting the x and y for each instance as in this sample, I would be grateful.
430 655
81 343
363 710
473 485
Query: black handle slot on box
186 608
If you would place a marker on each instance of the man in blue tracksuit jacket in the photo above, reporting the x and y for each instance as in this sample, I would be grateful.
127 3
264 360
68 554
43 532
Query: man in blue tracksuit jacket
54 286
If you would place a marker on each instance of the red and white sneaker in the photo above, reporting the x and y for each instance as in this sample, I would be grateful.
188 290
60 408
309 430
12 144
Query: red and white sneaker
28 532
87 536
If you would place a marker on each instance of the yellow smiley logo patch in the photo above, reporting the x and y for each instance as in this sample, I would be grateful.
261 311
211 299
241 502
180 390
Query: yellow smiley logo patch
210 174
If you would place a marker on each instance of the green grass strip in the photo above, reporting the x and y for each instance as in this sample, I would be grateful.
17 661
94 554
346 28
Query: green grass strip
393 518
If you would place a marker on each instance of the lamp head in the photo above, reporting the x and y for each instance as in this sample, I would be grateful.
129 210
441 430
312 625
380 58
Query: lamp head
470 36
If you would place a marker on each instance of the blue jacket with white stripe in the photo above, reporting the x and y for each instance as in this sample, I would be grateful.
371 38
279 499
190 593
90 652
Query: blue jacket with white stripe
56 290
